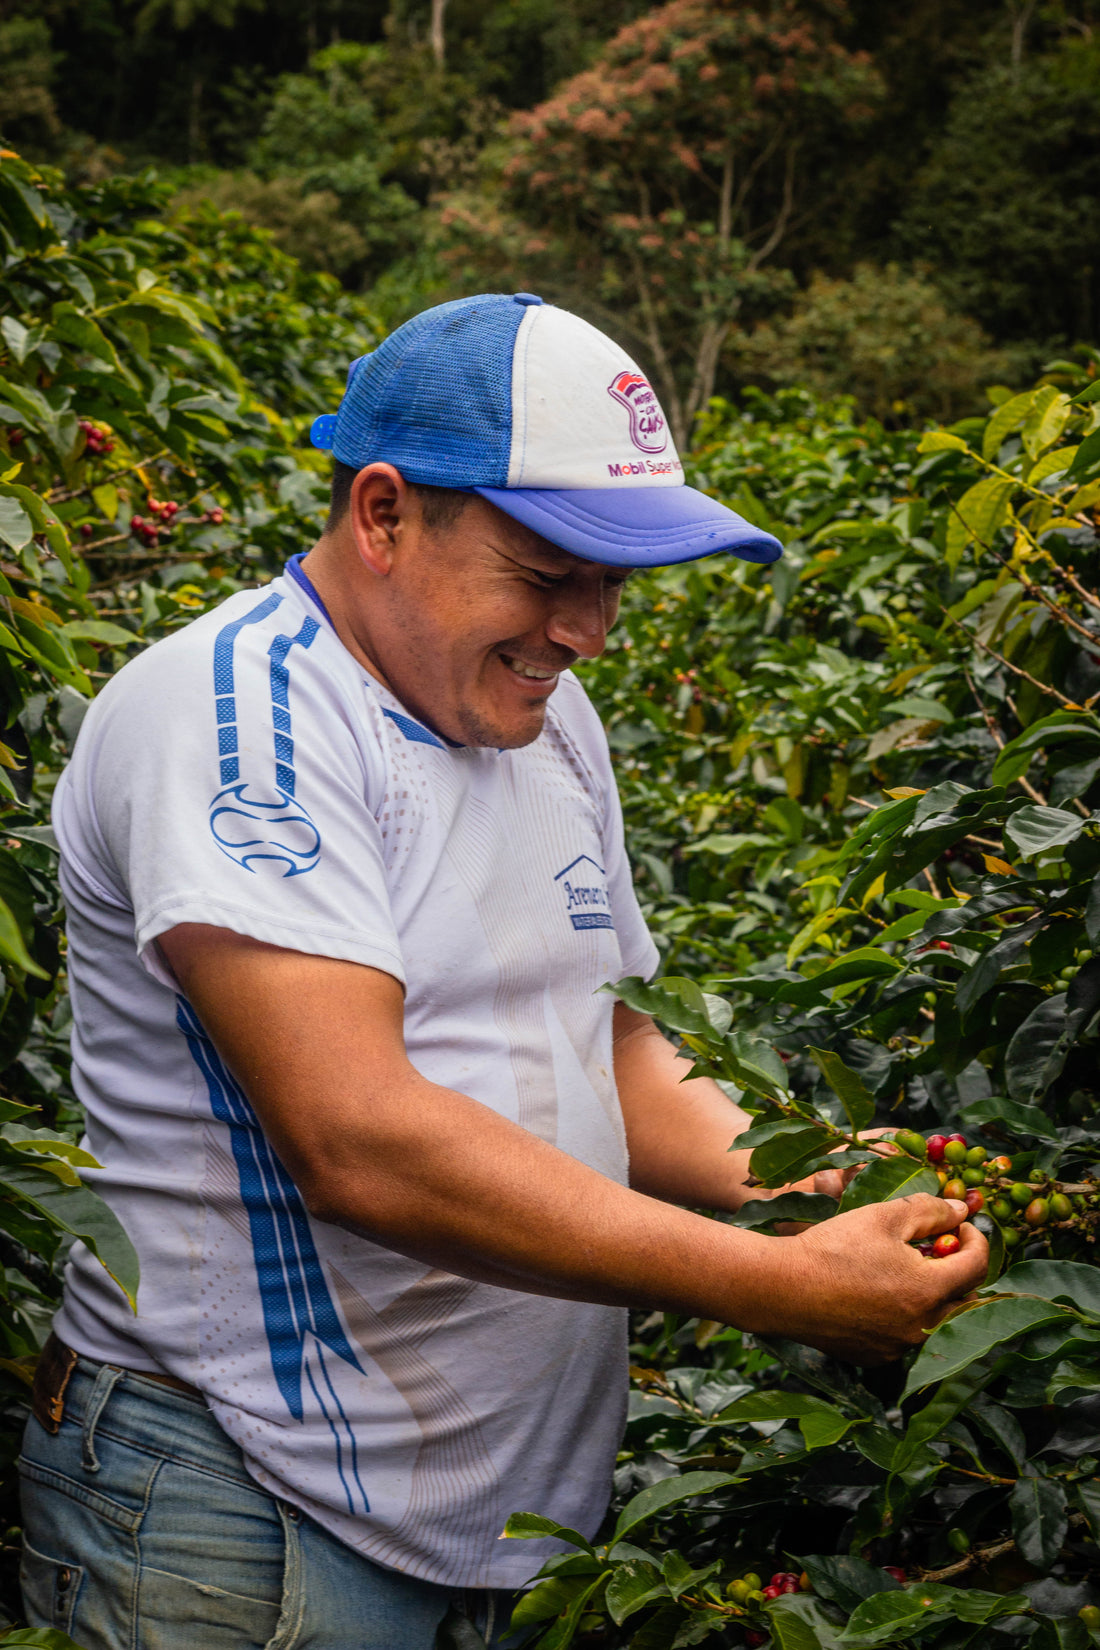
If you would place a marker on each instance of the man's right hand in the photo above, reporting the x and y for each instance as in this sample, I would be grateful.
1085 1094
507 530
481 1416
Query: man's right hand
856 1289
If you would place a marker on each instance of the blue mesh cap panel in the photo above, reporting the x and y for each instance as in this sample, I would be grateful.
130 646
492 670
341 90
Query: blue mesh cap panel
435 399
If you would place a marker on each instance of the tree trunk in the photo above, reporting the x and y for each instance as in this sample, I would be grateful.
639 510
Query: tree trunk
438 39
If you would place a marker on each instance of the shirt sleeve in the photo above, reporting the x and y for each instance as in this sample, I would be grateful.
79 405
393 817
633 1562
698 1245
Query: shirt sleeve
639 952
222 782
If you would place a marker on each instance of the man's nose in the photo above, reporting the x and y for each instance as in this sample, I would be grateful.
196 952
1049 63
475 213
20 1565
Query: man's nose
580 623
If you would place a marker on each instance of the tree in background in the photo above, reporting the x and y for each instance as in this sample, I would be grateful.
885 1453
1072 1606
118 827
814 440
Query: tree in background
655 189
1008 202
885 337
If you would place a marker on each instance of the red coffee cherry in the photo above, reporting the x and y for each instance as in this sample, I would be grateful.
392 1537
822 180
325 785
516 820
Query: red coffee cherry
975 1200
897 1572
936 1144
946 1244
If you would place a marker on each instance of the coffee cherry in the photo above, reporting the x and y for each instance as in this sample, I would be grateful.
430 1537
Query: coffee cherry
171 508
738 1591
958 1540
86 529
1001 1209
805 1585
1012 1238
946 1244
1037 1212
752 1581
975 1200
1003 1165
973 1177
1020 1194
1089 1615
961 1138
943 1177
897 1572
936 1143
771 1592
955 1151
925 1248
976 1155
137 522
1060 1206
217 517
909 1141
1037 1177
755 1638
781 1577
955 1188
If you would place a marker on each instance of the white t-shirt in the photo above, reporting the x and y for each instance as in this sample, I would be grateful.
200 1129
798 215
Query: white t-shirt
247 772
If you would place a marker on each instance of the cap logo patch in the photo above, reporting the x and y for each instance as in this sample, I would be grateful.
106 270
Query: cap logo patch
648 430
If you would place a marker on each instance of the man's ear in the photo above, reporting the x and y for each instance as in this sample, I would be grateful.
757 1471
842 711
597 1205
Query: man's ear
380 508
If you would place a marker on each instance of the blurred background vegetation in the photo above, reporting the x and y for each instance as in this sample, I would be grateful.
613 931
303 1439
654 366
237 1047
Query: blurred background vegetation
898 201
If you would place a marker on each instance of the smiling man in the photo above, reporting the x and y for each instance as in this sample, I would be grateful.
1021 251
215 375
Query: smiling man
344 869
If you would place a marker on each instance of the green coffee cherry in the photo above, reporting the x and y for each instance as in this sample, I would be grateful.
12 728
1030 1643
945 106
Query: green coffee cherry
955 1152
973 1177
1012 1238
1037 1177
752 1581
958 1540
976 1156
1002 1209
738 1591
907 1140
1089 1615
1060 1207
1021 1194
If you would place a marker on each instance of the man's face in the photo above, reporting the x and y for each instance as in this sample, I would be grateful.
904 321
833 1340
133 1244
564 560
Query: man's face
480 618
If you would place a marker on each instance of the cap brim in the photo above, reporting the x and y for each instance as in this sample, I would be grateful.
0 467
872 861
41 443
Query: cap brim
634 526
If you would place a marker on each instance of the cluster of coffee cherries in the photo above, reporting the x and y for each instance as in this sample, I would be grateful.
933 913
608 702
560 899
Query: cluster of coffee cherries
96 441
155 526
749 1590
985 1185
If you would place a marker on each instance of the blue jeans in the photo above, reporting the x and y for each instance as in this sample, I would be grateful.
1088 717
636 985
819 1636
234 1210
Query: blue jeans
143 1531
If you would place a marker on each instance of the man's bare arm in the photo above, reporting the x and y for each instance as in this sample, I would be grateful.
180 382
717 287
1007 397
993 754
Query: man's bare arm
318 1047
680 1131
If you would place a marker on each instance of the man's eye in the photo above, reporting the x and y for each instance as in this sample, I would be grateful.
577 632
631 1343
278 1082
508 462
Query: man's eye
548 581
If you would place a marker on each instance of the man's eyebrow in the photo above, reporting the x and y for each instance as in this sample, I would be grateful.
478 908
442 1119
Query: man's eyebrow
560 561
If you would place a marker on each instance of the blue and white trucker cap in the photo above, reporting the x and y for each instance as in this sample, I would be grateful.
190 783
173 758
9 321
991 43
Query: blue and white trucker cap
544 416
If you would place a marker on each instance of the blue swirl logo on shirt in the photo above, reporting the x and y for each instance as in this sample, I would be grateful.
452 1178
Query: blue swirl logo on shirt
264 830
261 826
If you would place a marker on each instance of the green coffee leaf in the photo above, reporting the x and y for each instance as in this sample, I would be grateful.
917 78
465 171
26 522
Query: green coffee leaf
534 1527
633 1585
78 1210
973 1333
847 1085
1040 1519
886 1179
1070 1281
656 1497
758 1212
1035 830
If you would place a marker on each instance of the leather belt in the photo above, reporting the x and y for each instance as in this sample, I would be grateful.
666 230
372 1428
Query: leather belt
54 1371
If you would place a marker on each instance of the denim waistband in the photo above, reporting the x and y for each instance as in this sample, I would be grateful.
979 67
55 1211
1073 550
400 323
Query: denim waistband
152 1417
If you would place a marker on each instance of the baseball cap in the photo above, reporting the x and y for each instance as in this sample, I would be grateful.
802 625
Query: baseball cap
537 411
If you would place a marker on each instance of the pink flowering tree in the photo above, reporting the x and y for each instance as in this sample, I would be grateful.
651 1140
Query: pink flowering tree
654 190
